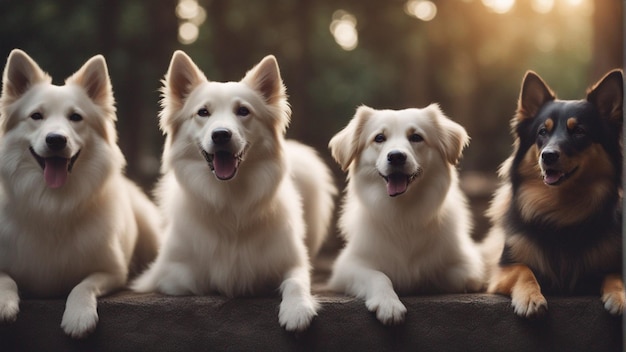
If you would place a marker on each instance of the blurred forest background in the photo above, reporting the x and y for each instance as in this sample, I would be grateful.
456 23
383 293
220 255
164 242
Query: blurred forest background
467 55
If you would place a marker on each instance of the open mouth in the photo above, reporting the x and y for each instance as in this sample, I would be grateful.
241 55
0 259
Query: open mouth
56 169
223 163
398 182
554 177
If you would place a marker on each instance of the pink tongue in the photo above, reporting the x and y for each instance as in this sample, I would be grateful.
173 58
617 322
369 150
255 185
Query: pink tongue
396 184
551 177
225 165
55 171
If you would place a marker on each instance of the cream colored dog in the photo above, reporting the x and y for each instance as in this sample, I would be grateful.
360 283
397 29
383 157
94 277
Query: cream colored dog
240 201
404 218
70 220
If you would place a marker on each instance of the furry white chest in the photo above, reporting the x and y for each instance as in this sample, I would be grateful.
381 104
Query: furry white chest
228 251
49 255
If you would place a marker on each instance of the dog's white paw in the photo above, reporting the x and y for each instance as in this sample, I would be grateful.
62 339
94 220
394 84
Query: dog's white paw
78 322
529 305
9 307
389 310
614 302
297 314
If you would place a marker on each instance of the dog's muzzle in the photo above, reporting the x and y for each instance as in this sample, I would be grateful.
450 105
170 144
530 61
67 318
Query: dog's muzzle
398 180
223 162
56 168
552 173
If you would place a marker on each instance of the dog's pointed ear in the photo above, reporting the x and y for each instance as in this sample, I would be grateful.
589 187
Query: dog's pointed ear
607 95
265 79
453 136
345 145
93 77
20 73
534 94
182 76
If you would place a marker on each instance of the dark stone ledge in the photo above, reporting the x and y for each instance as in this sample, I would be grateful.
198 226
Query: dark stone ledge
467 322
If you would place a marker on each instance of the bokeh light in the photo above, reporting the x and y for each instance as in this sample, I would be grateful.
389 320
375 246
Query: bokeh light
187 9
191 15
343 29
187 33
421 9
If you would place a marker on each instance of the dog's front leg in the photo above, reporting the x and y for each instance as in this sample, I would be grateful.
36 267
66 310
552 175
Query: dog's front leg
519 282
373 286
81 316
298 306
613 295
9 298
380 296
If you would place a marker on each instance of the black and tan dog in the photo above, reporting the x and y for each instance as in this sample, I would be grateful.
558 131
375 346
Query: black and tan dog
559 205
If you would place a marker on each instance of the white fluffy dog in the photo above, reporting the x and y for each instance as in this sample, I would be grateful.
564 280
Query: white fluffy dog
238 198
70 220
404 217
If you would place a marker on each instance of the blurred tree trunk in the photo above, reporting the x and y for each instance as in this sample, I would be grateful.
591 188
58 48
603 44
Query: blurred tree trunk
608 37
301 75
221 43
137 59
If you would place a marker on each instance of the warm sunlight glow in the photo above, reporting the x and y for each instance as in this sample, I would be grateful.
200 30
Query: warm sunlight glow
542 6
546 41
574 2
343 29
499 6
421 9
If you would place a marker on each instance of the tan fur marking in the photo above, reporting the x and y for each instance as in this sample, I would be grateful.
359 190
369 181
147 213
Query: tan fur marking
549 124
571 123
515 277
519 282
612 283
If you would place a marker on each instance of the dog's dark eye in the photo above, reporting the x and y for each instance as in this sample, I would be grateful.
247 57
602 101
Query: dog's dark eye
243 111
203 112
380 138
415 138
36 116
542 131
76 117
579 131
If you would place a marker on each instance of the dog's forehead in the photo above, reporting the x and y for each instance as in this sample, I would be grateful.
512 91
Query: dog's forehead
217 93
400 120
54 98
561 112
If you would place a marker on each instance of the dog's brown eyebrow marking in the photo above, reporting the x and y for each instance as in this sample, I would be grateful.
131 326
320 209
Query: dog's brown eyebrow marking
571 123
549 124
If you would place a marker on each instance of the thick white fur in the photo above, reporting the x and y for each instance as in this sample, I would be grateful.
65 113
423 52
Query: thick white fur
418 241
77 239
245 235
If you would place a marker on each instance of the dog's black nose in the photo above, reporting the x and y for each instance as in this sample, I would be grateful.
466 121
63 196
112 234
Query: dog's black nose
395 157
221 136
56 141
550 156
